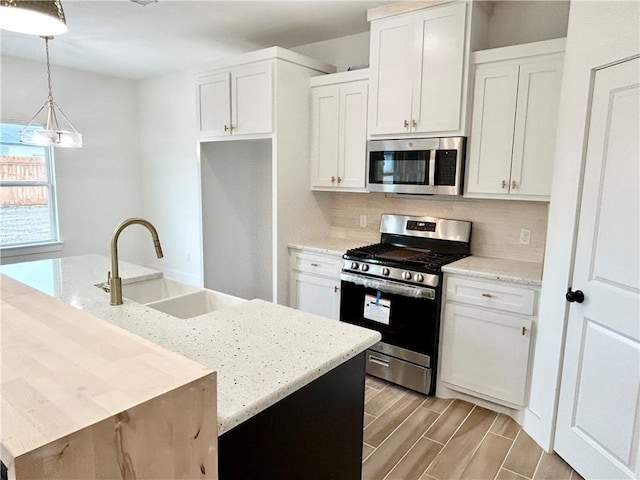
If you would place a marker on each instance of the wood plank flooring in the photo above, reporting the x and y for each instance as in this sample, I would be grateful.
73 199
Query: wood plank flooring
409 436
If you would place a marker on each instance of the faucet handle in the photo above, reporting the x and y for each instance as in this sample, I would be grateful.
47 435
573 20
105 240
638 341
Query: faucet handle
106 286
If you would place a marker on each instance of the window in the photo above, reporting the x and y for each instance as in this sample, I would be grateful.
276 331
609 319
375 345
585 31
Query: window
28 214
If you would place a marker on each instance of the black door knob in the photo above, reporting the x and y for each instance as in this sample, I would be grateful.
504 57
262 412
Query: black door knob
576 296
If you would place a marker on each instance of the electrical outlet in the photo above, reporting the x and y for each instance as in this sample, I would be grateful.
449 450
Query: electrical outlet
525 236
363 221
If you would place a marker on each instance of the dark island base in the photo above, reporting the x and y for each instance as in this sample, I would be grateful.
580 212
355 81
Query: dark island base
314 433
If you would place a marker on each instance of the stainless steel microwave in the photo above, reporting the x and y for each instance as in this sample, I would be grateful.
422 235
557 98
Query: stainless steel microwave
427 166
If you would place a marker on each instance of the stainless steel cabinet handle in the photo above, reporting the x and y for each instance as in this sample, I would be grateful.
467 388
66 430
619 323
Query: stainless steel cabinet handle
333 179
315 265
226 128
339 179
524 330
406 124
514 184
335 289
504 184
488 295
378 361
414 123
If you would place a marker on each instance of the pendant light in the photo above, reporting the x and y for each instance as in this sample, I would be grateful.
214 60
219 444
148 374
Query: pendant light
35 17
51 135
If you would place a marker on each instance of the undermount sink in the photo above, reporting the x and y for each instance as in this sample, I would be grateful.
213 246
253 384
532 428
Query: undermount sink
147 291
175 298
196 303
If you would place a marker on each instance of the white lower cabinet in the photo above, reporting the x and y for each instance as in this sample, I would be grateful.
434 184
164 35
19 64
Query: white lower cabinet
315 283
486 339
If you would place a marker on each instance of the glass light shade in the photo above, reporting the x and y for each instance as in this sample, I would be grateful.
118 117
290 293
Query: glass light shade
35 17
51 138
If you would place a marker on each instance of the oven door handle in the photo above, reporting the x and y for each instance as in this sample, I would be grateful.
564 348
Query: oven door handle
389 287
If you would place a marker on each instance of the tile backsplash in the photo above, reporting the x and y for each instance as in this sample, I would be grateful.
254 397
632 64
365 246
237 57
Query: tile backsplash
496 223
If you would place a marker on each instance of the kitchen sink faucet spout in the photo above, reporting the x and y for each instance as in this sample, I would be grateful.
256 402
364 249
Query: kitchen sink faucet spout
114 280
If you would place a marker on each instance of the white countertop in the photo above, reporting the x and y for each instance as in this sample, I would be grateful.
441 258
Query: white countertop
261 351
514 271
327 245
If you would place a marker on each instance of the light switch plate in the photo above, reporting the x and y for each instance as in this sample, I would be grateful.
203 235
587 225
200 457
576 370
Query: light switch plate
525 236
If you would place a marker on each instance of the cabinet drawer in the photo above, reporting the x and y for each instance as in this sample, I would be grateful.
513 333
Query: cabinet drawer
318 264
508 298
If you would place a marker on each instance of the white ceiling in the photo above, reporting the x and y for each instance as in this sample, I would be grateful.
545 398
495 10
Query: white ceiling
121 38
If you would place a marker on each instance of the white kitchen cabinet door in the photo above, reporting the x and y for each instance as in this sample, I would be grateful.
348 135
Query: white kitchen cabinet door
325 128
352 163
536 119
486 352
393 60
252 100
313 294
437 98
492 124
214 103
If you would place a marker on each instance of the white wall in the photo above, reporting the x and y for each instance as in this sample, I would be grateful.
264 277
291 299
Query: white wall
100 184
341 52
170 175
237 217
515 22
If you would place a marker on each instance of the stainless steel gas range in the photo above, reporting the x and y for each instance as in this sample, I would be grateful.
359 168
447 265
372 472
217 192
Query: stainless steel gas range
394 287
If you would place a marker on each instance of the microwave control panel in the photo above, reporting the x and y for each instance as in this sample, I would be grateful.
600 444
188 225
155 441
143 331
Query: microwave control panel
446 167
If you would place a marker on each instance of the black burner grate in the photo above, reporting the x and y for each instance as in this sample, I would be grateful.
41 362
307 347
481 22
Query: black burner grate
394 255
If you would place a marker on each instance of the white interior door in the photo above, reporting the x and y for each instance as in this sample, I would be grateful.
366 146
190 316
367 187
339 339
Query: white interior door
598 420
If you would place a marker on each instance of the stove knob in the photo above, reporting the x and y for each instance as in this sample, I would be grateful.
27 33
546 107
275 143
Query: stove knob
354 265
419 278
364 267
406 275
385 271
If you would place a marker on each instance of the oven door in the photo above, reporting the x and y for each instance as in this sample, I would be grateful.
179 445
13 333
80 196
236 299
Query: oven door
405 316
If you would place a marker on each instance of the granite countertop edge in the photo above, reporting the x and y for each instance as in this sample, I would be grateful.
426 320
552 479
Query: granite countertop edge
506 270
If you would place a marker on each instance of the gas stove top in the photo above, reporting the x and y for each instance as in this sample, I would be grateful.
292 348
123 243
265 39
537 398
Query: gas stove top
413 249
393 255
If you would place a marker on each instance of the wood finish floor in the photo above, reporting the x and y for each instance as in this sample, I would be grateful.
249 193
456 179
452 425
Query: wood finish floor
410 436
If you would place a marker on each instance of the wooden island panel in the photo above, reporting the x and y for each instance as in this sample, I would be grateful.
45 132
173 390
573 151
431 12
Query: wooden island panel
82 398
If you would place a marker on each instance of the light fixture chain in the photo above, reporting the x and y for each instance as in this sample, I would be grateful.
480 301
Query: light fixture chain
46 45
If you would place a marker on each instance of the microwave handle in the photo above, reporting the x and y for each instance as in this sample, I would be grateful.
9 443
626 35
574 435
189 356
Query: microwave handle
432 167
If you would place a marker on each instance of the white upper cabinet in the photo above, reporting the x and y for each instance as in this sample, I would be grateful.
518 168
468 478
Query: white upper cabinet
236 102
418 67
214 104
513 128
339 131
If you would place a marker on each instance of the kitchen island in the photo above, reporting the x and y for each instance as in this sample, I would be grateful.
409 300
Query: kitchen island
290 384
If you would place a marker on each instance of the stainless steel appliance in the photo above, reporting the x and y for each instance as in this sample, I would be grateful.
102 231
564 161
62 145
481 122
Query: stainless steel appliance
394 287
427 166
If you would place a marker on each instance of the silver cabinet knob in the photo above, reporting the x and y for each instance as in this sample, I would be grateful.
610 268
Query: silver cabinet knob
419 278
354 265
406 275
364 267
385 271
